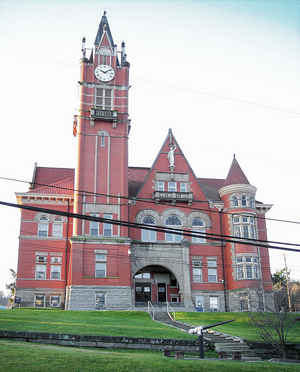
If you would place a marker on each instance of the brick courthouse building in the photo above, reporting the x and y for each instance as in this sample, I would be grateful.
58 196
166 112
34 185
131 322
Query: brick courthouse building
80 264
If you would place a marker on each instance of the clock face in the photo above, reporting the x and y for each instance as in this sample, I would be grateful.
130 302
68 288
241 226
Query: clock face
104 73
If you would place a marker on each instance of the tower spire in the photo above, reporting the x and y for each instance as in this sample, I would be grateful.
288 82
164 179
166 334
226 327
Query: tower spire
104 28
235 174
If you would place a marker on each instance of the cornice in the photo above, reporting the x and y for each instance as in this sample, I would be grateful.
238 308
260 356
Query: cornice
263 208
231 189
35 198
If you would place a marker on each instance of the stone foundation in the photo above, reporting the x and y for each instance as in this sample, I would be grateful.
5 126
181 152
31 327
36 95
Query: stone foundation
84 298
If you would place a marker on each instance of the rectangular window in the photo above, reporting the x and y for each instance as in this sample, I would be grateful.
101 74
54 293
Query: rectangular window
104 98
249 272
100 301
212 275
107 227
94 226
39 301
160 186
199 239
244 303
56 260
173 238
211 262
172 186
213 304
183 187
240 272
199 302
245 231
43 230
54 301
100 266
197 275
57 229
40 272
41 259
102 140
55 272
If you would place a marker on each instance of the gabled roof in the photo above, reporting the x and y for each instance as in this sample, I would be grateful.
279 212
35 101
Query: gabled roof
163 162
210 187
52 180
104 26
136 177
235 175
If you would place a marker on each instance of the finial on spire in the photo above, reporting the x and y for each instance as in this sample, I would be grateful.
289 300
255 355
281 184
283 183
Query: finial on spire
104 13
233 156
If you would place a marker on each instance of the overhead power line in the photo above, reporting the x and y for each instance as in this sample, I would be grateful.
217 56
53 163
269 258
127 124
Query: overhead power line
244 241
144 200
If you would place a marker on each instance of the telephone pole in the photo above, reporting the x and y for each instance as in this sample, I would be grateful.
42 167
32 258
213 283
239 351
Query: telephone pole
287 284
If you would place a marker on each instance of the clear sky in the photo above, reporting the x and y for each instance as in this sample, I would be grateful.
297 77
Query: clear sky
223 74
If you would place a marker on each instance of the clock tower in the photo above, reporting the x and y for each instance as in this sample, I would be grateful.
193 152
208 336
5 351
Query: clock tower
102 170
99 265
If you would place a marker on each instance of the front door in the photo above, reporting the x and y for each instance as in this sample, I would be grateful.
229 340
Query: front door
161 287
142 292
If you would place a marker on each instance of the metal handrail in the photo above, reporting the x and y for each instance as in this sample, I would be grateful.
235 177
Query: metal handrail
171 310
151 310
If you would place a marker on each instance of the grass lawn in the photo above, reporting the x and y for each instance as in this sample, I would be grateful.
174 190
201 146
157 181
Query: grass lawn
240 327
104 323
26 357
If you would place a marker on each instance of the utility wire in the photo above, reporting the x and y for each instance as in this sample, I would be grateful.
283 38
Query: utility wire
146 227
134 199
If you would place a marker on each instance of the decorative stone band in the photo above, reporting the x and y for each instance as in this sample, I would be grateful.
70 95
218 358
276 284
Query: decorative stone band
230 189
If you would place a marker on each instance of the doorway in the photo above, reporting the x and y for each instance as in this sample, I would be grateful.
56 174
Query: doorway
161 288
142 292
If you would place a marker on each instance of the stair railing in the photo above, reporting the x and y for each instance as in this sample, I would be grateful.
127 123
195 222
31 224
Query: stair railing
151 310
171 312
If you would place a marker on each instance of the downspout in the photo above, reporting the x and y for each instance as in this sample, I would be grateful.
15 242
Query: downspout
66 252
223 263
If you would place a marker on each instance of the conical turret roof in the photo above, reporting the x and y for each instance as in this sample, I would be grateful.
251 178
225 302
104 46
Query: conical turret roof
235 175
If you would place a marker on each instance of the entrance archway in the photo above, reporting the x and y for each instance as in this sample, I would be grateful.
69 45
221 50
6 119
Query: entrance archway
157 284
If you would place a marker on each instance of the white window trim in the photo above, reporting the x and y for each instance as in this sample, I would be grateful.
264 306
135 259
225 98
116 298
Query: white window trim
52 270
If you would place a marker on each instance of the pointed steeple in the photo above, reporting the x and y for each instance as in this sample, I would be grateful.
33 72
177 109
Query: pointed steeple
104 28
235 174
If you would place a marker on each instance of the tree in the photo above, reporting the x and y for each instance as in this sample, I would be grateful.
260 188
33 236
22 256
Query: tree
12 287
279 279
273 329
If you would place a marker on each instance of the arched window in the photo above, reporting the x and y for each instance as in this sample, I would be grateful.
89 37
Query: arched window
244 200
198 225
43 226
234 201
57 227
148 235
173 221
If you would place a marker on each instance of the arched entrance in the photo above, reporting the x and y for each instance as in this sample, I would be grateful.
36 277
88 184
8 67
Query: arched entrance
157 284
